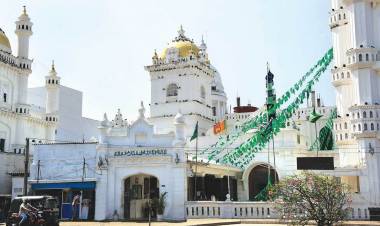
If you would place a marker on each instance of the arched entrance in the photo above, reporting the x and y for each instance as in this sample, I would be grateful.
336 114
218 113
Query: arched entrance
258 179
138 191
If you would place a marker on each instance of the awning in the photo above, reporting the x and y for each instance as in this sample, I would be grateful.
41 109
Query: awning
66 185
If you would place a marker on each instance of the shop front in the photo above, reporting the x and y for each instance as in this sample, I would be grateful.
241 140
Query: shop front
65 193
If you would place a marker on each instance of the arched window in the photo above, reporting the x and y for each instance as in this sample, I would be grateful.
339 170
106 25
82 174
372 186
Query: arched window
22 26
203 92
345 125
27 27
346 136
341 137
372 126
364 114
354 127
5 98
370 114
348 75
365 127
342 75
358 115
366 57
360 57
377 126
359 127
172 90
339 17
344 16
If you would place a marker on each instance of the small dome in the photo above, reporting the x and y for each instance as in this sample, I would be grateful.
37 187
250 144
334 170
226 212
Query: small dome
179 118
4 42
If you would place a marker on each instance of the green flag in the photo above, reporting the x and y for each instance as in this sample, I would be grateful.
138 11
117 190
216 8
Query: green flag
314 116
195 133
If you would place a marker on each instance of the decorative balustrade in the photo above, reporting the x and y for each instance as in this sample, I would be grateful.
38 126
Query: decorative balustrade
250 210
341 76
220 209
338 18
362 57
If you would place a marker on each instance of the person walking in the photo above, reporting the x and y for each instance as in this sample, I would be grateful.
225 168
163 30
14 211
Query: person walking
75 207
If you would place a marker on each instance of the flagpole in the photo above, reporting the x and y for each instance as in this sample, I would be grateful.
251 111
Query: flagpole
196 169
316 136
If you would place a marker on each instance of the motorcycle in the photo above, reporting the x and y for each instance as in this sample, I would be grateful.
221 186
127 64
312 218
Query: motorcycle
35 218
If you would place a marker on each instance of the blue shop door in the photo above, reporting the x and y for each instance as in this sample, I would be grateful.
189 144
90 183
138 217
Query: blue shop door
66 209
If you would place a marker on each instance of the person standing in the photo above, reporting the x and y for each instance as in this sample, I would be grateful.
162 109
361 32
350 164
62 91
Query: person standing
75 207
85 209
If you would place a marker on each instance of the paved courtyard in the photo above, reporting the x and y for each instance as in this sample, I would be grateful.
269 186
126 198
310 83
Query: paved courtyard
232 222
208 222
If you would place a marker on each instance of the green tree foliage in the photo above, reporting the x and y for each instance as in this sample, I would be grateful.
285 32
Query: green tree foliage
311 197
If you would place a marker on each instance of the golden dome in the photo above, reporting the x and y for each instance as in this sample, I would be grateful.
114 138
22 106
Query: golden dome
184 48
184 45
4 42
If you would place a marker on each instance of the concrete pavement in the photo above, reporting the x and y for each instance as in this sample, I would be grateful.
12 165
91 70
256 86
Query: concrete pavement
208 222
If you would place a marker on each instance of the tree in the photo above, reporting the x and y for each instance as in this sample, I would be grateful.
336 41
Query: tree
308 196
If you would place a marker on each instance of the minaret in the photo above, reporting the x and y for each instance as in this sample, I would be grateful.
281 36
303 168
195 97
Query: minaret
21 107
52 84
355 76
271 96
203 51
23 32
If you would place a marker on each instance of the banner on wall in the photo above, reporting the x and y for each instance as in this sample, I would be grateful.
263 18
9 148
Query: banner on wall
220 127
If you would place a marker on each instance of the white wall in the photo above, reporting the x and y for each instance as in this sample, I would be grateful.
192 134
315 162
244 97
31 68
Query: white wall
63 161
9 162
70 114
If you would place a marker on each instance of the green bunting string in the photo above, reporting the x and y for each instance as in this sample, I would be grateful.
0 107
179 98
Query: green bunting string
240 157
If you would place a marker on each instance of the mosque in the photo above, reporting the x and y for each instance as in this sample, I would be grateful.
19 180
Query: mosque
223 171
37 113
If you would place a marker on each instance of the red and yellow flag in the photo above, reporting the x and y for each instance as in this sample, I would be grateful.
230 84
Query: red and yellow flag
219 127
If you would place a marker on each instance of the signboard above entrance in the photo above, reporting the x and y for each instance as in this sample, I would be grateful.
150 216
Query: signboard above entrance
142 152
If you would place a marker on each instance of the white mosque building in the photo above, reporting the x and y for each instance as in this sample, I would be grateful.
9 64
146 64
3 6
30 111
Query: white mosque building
133 162
36 113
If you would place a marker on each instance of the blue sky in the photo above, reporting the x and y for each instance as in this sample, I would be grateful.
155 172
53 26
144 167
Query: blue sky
101 47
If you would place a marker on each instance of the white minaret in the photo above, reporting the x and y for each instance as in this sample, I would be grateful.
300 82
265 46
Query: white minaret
52 84
23 31
355 76
21 107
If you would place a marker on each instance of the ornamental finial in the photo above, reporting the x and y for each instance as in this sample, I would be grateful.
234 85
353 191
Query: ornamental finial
142 110
52 66
24 10
181 32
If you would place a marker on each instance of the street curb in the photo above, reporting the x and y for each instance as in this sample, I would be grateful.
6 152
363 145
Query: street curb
217 223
